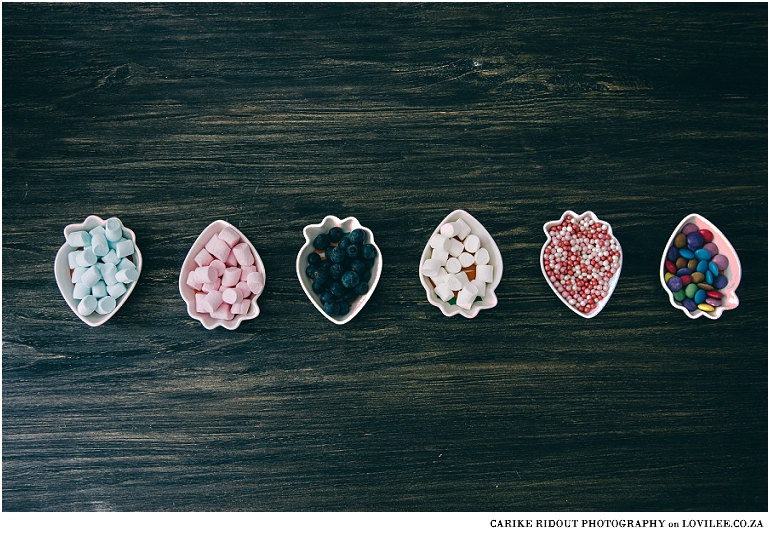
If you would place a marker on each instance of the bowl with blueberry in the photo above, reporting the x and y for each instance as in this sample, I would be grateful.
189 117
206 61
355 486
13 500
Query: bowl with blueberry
338 267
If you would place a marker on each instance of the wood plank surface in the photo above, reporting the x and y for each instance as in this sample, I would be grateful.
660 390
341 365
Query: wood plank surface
272 116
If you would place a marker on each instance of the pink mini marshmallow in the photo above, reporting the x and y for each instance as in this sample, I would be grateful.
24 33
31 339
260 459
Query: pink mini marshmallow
232 296
243 253
245 270
219 266
212 301
222 312
231 277
199 303
243 286
192 283
256 282
229 236
231 260
205 274
212 286
203 258
240 308
218 248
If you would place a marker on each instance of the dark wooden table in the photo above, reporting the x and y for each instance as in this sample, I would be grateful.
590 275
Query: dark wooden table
273 116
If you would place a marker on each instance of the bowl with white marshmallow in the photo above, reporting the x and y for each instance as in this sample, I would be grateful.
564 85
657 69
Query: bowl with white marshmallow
97 268
222 277
461 266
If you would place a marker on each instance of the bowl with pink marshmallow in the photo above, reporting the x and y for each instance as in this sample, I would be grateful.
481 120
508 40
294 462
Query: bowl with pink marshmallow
97 268
461 266
222 277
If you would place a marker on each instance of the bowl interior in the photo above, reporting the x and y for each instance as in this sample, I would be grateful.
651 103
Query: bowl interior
495 259
63 273
733 271
613 281
188 294
310 232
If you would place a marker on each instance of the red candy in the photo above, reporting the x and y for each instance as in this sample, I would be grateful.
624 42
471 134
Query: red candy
707 235
686 279
670 267
714 294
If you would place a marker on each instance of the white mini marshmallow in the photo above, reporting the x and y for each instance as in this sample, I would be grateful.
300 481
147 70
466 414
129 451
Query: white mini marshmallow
96 230
463 278
231 277
229 236
127 276
453 283
256 282
113 230
80 290
242 253
453 265
99 245
464 229
199 303
124 248
72 261
77 274
232 296
440 242
99 289
456 247
203 258
467 296
126 264
441 256
219 266
212 301
80 238
91 276
484 273
481 257
438 279
222 312
86 257
116 290
481 287
450 230
105 305
243 286
466 259
192 283
111 258
472 243
87 305
231 260
205 274
216 284
430 267
240 308
444 292
108 273
218 248
245 270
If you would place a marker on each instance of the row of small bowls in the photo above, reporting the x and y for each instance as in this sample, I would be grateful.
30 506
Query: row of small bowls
63 274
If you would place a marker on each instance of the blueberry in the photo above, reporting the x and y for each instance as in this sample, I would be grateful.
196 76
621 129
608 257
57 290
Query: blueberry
358 266
314 259
337 255
326 264
331 308
362 288
326 297
365 276
337 289
357 236
336 271
318 287
350 296
322 277
335 233
369 252
321 242
350 279
311 271
353 250
342 308
344 242
328 253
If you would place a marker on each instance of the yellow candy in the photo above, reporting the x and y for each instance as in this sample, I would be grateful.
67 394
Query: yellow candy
668 276
705 307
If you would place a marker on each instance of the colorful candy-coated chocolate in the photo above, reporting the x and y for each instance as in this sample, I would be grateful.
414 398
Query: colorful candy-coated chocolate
711 248
702 266
700 296
668 275
698 277
691 290
720 281
692 264
713 302
674 284
672 254
683 271
680 295
707 234
714 294
702 254
686 279
680 241
686 253
670 266
694 241
720 261
704 286
705 307
709 277
689 304
689 228
713 268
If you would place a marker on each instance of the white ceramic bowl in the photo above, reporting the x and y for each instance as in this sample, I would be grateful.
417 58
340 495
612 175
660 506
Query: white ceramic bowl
613 281
188 294
733 271
310 232
64 274
495 260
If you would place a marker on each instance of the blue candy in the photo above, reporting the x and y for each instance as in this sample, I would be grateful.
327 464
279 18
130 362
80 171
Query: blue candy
709 277
683 271
689 304
672 254
700 296
703 266
702 254
674 284
713 268
686 253
694 241
720 281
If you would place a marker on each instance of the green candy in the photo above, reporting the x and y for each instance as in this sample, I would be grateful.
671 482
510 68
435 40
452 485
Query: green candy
690 290
680 295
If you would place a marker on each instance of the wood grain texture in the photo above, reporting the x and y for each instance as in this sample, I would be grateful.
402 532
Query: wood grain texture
271 116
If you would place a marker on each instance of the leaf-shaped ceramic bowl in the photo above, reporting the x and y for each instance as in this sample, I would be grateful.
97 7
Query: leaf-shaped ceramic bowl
310 232
732 272
188 293
613 282
64 274
450 308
